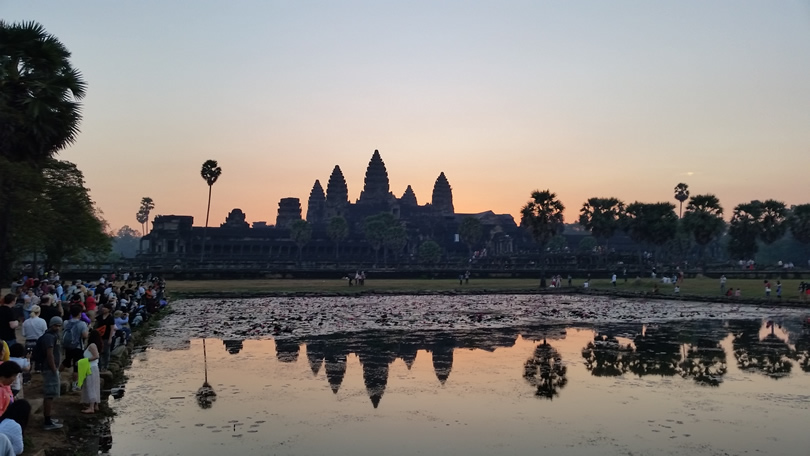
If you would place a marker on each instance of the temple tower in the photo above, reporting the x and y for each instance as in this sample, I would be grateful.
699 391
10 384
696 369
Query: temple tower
375 189
408 198
235 219
337 193
289 210
443 196
316 206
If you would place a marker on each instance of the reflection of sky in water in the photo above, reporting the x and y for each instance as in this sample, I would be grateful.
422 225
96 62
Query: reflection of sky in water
270 402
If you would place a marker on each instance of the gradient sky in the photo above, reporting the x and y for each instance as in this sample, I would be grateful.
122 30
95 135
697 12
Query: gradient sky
587 98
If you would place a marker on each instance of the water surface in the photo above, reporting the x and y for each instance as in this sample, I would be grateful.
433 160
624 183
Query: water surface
733 386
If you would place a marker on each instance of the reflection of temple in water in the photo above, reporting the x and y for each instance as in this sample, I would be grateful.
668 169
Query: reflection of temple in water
689 349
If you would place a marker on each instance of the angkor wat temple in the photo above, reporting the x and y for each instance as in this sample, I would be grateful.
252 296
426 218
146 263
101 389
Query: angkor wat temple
175 239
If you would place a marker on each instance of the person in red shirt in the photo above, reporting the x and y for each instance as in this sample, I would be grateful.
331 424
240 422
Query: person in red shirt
90 305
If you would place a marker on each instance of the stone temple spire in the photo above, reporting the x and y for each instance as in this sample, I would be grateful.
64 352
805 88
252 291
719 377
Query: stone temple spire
408 198
443 195
375 189
316 206
337 193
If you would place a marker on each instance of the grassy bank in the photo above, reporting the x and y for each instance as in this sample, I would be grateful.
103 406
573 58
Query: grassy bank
752 289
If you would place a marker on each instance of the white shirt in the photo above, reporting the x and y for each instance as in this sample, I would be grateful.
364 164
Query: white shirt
34 328
13 431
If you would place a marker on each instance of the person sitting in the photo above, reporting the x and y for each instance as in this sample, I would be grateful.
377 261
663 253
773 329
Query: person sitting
8 373
13 423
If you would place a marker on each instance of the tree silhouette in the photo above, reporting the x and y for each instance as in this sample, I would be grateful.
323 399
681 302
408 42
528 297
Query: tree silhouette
40 114
681 194
147 204
769 356
800 223
802 353
745 229
301 234
657 352
338 231
543 217
545 371
376 230
774 221
602 217
650 223
704 220
469 231
429 252
395 240
210 172
605 356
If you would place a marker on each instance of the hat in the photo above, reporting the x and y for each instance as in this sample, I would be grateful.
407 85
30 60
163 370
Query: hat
55 321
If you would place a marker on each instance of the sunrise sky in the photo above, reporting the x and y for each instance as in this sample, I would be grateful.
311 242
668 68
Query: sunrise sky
586 98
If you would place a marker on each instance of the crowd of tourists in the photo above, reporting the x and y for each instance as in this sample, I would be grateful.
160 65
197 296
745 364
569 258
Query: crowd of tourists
50 326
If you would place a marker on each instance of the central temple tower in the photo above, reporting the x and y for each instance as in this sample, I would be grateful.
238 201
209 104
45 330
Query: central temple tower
375 189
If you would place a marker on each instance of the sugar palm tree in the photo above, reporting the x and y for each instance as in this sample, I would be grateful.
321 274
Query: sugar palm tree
40 110
210 172
543 217
681 194
147 204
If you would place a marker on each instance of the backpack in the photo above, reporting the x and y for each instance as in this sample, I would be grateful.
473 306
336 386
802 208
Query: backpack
71 337
40 350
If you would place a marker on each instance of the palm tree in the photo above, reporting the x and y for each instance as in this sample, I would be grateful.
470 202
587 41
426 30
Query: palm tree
210 172
337 230
205 394
546 371
147 204
40 111
774 221
704 220
142 217
543 217
681 194
602 217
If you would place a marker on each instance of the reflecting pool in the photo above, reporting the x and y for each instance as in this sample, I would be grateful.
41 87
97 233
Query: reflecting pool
666 388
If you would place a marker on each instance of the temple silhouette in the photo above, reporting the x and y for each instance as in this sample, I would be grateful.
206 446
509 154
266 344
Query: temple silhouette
691 350
175 238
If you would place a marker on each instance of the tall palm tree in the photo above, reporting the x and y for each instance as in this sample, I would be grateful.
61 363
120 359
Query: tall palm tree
210 172
40 111
681 194
147 204
543 217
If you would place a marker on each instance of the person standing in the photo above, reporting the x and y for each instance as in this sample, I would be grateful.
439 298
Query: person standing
73 336
613 280
779 289
105 325
49 345
8 324
33 329
91 386
723 284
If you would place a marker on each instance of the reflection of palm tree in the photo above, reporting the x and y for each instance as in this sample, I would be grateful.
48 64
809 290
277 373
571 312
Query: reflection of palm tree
657 352
802 354
769 356
545 371
605 356
206 395
705 362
